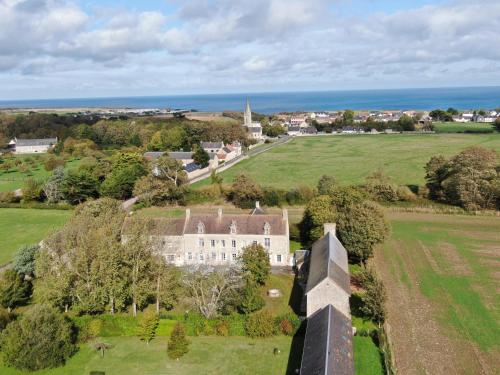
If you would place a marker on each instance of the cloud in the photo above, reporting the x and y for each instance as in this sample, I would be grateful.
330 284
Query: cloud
235 45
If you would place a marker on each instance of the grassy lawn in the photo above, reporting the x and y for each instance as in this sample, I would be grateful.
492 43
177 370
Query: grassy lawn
367 359
442 276
207 355
19 226
351 158
466 127
14 178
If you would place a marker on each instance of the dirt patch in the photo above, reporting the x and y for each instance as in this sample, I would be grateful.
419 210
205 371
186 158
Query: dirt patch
458 265
428 255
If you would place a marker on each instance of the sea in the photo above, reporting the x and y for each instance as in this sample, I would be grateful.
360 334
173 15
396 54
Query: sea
273 102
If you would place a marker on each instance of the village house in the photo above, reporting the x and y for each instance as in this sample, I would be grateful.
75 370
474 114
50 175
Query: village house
293 130
186 158
223 152
218 239
32 146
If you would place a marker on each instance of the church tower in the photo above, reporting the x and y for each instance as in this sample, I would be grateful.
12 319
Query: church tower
247 117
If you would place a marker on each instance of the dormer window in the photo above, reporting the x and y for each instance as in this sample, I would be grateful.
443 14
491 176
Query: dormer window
232 228
201 228
267 228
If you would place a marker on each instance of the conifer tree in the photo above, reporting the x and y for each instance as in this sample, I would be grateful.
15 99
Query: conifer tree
178 345
147 326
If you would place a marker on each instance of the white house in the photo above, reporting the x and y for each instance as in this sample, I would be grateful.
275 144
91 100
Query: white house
218 239
31 146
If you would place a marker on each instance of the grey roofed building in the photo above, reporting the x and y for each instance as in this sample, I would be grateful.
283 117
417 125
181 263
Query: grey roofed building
255 129
178 155
328 344
294 128
328 260
212 145
152 155
35 142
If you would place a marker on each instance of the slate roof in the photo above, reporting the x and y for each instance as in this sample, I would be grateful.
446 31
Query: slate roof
162 226
294 128
328 344
255 129
245 224
191 167
36 142
152 155
178 155
328 260
212 145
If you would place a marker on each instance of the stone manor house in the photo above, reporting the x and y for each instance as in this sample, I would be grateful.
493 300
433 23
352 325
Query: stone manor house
218 239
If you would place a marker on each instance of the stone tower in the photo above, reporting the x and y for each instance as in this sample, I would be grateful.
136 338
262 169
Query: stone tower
247 116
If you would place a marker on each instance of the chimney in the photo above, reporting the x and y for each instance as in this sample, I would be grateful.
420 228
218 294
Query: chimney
188 213
330 227
257 204
285 214
219 214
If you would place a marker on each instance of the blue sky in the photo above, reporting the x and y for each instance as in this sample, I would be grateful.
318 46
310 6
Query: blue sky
65 48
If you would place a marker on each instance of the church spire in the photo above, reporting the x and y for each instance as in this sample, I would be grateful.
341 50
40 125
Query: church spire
247 117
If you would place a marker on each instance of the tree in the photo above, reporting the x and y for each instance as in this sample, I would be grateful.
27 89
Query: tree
78 186
216 178
496 124
244 191
374 297
166 280
52 188
251 300
154 191
208 287
318 212
24 260
360 227
14 290
178 344
119 184
326 184
380 186
407 123
436 171
201 157
348 117
32 190
255 263
260 324
147 326
40 338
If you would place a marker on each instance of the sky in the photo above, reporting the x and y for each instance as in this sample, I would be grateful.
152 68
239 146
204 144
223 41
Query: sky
99 48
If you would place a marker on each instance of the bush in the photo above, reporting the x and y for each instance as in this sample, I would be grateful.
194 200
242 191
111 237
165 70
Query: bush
41 338
260 324
9 197
251 300
405 194
222 328
286 327
288 324
32 190
273 197
383 192
52 162
245 191
178 345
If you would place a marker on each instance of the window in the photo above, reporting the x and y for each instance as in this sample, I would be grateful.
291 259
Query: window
232 228
267 242
201 256
223 256
201 242
190 256
171 258
278 258
233 243
223 243
214 255
255 242
267 228
212 243
234 256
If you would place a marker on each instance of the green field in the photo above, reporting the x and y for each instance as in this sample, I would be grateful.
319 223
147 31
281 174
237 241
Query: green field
442 276
352 158
23 226
14 179
466 127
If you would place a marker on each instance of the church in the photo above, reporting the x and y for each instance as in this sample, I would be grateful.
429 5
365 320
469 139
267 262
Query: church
254 127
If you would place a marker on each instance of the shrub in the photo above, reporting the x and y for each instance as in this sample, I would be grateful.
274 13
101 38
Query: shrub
178 345
24 260
14 289
8 197
52 162
405 194
273 197
288 324
383 192
41 338
32 190
147 326
255 263
374 297
222 328
245 191
5 318
286 327
251 300
260 324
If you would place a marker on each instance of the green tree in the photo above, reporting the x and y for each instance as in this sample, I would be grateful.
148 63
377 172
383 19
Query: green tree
178 344
374 297
496 124
52 188
147 326
78 186
348 117
326 184
255 263
436 171
407 123
361 227
251 299
245 192
24 260
40 338
201 157
260 324
14 290
32 190
319 211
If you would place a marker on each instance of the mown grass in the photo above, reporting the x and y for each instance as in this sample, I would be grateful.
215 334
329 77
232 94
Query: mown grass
455 260
14 178
352 158
207 355
367 359
23 226
466 127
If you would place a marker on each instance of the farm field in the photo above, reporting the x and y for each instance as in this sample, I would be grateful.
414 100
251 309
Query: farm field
24 226
441 273
14 179
350 158
466 127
